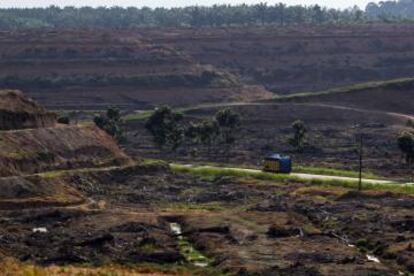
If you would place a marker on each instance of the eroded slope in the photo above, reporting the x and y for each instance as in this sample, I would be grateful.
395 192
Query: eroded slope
19 112
58 148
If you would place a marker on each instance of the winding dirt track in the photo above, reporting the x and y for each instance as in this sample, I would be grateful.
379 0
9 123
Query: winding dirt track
360 110
303 176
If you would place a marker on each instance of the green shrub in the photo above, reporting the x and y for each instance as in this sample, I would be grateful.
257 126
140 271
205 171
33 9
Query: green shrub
64 120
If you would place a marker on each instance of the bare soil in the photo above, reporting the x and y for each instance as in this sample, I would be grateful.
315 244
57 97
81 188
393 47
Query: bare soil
304 58
19 112
245 226
92 70
63 147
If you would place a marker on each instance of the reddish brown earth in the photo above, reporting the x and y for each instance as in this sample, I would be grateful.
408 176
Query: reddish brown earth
99 207
28 157
292 59
97 69
242 225
18 112
139 69
103 209
59 148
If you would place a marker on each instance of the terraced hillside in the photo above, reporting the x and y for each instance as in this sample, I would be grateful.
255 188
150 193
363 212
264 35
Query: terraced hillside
96 69
293 59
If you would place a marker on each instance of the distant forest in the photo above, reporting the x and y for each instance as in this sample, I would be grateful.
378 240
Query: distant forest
199 16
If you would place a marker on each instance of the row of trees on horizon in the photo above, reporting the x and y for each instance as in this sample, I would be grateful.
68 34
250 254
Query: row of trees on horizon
199 16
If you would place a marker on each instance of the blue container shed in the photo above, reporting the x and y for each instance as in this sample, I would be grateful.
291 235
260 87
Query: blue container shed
277 163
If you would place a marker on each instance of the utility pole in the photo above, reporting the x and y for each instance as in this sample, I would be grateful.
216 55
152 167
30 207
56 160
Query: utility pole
361 146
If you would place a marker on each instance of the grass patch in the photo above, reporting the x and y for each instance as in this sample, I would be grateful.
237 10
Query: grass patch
145 164
286 178
299 169
138 116
333 172
10 266
399 83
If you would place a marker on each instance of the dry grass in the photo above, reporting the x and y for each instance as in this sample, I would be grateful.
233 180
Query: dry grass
11 267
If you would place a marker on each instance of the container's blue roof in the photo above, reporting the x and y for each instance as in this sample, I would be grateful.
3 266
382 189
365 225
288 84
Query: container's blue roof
277 156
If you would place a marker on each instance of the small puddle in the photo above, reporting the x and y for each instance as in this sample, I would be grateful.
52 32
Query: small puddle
40 230
373 259
191 254
370 258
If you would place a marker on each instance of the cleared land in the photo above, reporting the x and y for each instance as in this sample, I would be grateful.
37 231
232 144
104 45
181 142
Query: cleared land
242 224
292 59
90 70
333 119
71 201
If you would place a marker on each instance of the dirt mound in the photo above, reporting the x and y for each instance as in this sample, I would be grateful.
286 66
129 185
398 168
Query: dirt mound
34 192
19 112
59 148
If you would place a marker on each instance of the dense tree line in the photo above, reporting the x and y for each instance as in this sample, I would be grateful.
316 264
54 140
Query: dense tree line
170 131
195 16
391 10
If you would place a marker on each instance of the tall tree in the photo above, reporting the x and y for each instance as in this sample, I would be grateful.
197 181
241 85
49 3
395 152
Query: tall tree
111 123
166 128
299 134
406 145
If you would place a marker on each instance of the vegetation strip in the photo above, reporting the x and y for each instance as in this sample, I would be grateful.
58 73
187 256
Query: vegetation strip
288 178
400 82
191 254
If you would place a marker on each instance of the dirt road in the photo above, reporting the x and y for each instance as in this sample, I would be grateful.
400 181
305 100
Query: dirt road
299 175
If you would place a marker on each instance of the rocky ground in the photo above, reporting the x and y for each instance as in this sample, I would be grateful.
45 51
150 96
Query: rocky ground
240 225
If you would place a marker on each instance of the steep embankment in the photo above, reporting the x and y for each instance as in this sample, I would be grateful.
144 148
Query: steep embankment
96 69
31 160
18 112
59 148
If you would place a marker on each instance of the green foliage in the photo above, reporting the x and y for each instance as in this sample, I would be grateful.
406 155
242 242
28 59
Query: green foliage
110 123
166 127
389 11
406 145
410 123
205 132
220 129
195 16
288 178
400 84
332 172
228 122
64 119
299 134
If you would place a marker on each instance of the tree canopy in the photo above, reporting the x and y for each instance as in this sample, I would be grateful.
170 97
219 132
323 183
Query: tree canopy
198 16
